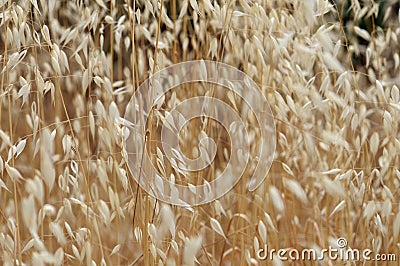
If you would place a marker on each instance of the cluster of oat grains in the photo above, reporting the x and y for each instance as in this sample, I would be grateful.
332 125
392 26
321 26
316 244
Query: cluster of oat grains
68 69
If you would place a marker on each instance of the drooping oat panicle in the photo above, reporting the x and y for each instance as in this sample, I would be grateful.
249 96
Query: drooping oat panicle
68 69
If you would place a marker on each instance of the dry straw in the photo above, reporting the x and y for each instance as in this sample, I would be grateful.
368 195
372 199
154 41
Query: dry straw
68 68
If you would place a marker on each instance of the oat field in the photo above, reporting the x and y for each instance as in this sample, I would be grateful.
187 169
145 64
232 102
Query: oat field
329 69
